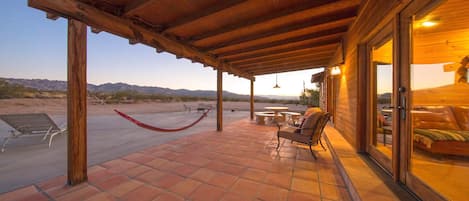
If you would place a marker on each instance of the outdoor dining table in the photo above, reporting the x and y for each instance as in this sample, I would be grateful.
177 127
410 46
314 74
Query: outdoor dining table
276 110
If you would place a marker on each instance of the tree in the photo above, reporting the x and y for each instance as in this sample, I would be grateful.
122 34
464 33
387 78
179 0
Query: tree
310 97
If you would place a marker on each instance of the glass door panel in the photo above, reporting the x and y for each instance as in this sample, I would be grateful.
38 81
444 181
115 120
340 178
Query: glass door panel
381 99
439 107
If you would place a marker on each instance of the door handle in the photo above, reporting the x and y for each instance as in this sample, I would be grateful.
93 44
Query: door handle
403 103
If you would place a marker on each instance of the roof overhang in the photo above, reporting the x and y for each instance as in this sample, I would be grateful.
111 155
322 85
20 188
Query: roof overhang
244 38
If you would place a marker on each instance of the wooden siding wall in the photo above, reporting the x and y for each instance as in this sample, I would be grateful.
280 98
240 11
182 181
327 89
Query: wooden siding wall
370 17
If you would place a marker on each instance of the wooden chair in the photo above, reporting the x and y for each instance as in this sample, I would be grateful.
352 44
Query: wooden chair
309 132
31 125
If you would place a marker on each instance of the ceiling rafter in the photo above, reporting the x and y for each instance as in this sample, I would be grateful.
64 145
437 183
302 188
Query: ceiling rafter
206 12
321 55
125 28
291 68
319 34
328 47
134 6
291 63
311 7
299 47
335 20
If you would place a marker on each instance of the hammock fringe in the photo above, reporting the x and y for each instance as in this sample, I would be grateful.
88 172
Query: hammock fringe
154 128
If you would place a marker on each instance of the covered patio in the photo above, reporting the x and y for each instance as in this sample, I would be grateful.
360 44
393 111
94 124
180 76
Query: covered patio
239 163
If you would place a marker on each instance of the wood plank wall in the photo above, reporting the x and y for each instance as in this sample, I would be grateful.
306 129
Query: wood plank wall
370 17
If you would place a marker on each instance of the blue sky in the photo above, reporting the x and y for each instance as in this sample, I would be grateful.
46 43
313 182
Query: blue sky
33 46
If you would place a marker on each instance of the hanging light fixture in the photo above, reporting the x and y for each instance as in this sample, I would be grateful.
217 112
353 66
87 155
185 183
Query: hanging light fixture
276 84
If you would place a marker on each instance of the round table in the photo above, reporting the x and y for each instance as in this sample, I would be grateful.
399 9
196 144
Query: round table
276 110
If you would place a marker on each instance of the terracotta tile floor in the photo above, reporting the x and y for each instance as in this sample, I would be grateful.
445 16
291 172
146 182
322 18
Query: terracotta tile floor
240 163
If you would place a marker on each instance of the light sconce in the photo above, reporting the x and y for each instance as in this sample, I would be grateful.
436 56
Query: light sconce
335 70
429 23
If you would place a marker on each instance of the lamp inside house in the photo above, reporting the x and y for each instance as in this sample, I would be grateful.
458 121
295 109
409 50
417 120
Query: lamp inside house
335 70
276 84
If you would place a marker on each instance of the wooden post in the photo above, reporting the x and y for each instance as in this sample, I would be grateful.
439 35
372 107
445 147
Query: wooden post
76 105
219 100
252 100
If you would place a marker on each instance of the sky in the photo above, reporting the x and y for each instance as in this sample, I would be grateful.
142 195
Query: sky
34 47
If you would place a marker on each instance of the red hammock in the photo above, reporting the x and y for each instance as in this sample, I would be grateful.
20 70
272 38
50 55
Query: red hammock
143 125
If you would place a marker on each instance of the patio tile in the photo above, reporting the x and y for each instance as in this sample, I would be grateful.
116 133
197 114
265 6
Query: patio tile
334 192
157 162
299 196
305 174
272 193
281 180
124 188
100 175
186 187
245 187
203 174
165 196
167 181
119 165
331 177
54 182
305 186
19 194
101 197
78 195
229 196
207 193
254 174
139 158
112 182
133 172
185 170
35 197
151 176
142 193
223 180
64 189
170 165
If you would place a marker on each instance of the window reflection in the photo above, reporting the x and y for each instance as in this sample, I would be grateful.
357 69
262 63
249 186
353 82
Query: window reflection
440 99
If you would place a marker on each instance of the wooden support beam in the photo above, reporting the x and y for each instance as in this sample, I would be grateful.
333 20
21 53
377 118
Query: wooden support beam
252 101
218 6
91 16
52 16
287 62
300 47
309 7
252 50
323 48
95 30
76 103
318 54
311 61
219 100
134 6
294 68
329 21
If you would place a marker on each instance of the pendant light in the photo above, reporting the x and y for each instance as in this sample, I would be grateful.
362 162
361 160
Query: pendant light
276 84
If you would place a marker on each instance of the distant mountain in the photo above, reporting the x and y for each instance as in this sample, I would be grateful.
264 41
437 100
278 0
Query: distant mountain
55 85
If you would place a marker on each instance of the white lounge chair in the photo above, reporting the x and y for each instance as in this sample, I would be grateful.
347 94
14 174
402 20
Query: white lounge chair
31 125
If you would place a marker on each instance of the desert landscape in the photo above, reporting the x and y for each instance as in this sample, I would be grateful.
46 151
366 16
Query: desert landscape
59 106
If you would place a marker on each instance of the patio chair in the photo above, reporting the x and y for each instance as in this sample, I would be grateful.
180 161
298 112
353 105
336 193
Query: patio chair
309 132
31 125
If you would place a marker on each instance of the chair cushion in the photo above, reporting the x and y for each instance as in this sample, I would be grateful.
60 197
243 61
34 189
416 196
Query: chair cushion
462 116
438 117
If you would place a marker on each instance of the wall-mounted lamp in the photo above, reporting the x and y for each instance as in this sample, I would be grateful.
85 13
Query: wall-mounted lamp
335 70
429 23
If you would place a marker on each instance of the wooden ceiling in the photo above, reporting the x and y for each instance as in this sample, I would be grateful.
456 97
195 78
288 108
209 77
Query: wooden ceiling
242 37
